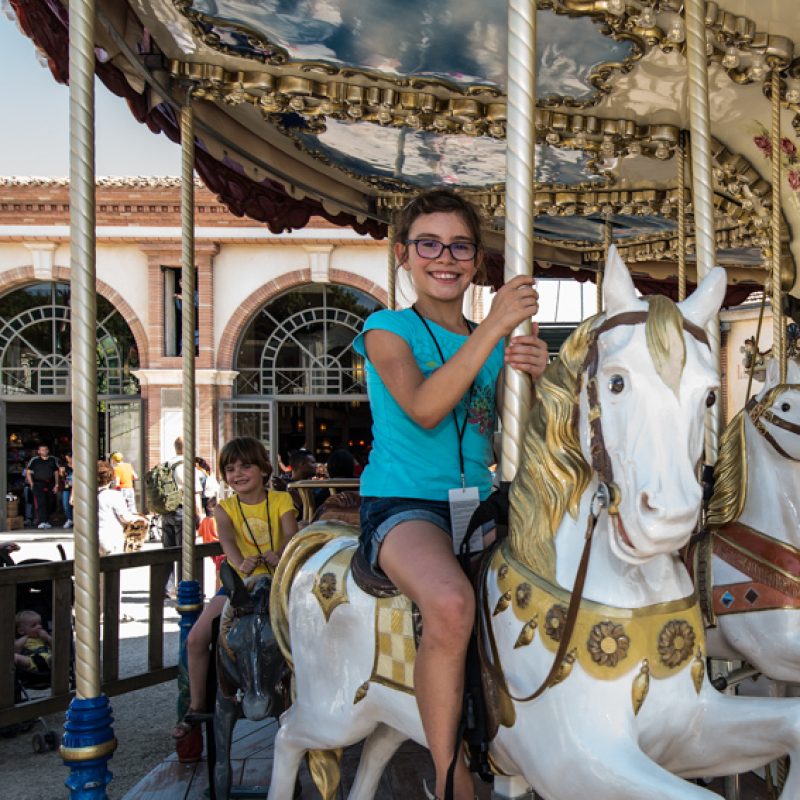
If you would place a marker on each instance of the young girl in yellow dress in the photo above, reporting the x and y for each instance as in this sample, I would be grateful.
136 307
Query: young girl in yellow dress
254 526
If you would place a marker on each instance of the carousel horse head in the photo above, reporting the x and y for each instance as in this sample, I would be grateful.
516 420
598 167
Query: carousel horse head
622 407
768 429
249 663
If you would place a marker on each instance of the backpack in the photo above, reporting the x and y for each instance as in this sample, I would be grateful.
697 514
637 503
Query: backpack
163 493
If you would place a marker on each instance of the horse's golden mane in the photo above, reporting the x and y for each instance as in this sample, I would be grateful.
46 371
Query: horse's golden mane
553 473
730 475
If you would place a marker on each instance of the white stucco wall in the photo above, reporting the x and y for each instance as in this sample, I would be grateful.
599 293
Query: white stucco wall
242 269
124 268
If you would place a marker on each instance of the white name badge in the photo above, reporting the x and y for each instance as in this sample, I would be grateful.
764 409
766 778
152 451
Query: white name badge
463 502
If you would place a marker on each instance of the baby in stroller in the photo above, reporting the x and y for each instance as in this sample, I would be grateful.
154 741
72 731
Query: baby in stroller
32 650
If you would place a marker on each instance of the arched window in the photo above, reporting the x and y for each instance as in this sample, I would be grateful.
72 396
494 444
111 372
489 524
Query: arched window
35 344
301 344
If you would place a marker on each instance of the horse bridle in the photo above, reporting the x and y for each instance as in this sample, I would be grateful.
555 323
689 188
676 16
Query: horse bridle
758 411
608 495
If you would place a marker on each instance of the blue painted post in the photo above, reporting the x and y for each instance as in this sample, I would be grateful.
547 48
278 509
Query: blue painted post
189 606
87 746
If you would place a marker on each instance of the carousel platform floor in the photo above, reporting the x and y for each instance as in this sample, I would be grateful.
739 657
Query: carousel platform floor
252 765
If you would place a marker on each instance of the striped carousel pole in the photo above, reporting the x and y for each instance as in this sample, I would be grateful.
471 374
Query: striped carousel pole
778 330
702 191
88 742
680 154
189 599
391 270
520 151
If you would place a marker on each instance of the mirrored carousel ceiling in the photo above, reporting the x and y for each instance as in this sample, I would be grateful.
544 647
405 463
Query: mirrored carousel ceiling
343 108
459 42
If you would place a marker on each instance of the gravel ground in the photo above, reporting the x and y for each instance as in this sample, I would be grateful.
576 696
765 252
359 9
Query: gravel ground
143 720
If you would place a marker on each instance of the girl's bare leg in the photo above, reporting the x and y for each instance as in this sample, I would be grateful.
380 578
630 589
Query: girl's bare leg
418 557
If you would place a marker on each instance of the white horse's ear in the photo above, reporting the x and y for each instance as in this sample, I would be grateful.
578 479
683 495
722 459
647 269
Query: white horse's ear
773 374
704 303
619 293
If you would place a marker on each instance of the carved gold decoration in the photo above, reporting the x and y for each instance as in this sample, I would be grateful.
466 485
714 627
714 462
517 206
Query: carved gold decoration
523 595
601 632
565 668
330 582
502 604
301 547
640 687
675 642
607 643
698 670
361 692
554 622
527 633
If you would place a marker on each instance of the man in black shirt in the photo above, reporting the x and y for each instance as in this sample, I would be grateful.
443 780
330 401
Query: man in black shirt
42 476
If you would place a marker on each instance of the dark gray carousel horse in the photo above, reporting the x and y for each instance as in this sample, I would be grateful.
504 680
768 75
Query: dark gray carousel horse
249 667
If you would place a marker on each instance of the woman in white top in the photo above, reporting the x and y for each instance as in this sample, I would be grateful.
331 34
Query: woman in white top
112 512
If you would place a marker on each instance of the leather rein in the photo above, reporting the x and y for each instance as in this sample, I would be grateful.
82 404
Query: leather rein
607 497
758 411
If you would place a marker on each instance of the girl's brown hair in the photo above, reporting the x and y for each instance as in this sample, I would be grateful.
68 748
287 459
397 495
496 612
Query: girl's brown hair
247 450
439 201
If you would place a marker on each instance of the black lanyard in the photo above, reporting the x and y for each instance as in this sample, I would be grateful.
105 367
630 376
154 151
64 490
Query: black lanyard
250 530
460 429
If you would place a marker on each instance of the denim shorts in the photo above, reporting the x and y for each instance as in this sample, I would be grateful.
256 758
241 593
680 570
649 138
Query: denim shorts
379 515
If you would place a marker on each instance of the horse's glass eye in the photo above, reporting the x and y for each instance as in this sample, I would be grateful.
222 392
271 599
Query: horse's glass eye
616 383
785 407
711 399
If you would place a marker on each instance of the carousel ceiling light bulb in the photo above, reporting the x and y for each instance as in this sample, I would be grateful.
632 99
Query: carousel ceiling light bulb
647 17
607 147
552 137
709 44
580 139
662 151
666 209
793 95
634 148
677 33
616 7
758 68
731 58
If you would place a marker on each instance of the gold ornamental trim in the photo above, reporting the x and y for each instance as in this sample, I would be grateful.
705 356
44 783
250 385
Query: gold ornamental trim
608 642
330 582
189 608
88 753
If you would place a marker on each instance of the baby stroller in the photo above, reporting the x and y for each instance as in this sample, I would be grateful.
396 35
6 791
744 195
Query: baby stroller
35 596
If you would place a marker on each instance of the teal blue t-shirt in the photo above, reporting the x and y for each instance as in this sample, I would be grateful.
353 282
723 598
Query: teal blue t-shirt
407 460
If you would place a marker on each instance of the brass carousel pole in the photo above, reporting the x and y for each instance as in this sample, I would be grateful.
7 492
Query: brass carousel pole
391 266
778 344
680 154
702 193
88 741
190 601
520 149
607 238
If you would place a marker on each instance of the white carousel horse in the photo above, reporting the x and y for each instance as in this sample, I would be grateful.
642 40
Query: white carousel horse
628 707
754 584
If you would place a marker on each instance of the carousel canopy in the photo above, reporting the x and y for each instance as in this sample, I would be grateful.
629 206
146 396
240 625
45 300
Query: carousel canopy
343 108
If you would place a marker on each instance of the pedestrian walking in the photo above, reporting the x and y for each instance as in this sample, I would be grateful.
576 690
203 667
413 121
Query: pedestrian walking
41 473
124 477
